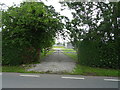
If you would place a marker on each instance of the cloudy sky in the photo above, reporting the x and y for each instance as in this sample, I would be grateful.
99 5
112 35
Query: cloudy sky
54 3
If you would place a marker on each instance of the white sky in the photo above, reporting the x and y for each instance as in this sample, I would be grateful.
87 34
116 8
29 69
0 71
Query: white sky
54 3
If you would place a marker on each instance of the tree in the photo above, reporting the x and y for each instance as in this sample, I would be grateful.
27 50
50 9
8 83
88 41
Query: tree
29 28
94 32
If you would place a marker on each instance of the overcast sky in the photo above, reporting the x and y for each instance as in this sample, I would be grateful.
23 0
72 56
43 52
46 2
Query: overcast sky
54 3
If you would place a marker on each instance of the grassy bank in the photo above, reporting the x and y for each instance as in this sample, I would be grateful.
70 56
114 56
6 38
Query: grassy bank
85 70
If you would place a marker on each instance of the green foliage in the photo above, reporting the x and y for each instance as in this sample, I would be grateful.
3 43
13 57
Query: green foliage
15 55
28 29
97 44
101 55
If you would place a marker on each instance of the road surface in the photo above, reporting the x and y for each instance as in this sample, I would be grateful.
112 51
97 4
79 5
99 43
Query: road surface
20 80
55 63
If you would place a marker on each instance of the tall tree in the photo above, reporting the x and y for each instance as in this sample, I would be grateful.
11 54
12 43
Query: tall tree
30 26
94 32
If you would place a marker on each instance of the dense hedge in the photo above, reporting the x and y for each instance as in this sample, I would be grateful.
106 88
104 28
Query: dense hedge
16 55
98 54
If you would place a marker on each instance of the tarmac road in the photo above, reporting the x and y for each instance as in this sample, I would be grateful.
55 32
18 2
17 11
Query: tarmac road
20 80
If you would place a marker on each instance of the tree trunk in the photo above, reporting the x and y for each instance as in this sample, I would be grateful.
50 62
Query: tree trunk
38 54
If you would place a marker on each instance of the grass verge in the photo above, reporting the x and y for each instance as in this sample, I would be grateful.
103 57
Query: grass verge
18 69
68 50
48 53
85 70
91 71
23 68
58 47
71 53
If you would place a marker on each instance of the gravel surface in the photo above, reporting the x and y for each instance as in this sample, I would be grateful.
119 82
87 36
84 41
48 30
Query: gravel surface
55 63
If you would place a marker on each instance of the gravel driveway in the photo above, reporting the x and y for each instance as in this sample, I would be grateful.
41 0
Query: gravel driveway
55 63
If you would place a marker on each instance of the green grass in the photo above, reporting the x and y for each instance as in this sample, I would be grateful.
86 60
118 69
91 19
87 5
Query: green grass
0 68
68 50
58 47
21 68
48 53
92 71
78 70
72 55
18 69
85 70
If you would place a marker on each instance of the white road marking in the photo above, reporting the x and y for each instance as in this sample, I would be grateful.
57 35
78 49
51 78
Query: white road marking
0 73
112 80
29 75
73 78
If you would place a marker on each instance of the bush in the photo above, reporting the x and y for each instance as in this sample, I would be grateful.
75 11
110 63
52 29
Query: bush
27 29
14 55
98 54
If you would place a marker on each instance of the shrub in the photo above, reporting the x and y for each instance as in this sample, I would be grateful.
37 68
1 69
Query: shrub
96 54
